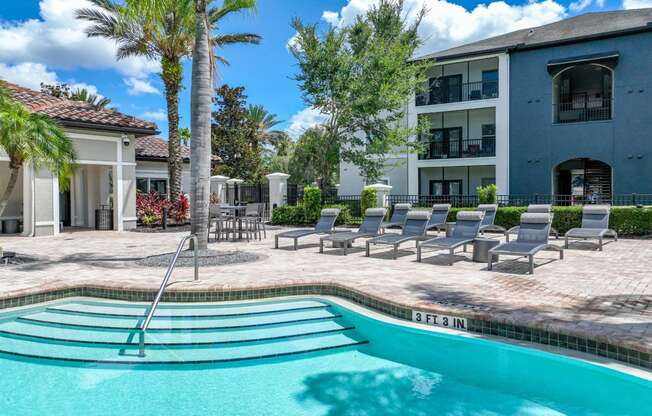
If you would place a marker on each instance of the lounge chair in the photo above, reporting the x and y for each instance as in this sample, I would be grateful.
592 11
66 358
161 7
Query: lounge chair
413 230
438 217
370 227
595 225
532 237
324 226
398 216
467 227
489 218
536 209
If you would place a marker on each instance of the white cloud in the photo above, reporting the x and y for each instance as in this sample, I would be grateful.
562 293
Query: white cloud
636 4
140 86
449 24
57 40
579 5
303 120
31 75
331 17
158 115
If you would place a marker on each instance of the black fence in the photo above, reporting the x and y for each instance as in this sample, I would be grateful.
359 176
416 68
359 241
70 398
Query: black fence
257 193
450 92
350 201
467 201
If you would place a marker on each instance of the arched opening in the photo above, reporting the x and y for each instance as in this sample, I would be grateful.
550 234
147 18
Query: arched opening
583 180
583 93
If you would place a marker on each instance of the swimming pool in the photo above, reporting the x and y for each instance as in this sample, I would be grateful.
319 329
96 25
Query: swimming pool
301 356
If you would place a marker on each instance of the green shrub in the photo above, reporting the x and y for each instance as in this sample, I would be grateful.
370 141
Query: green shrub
311 203
368 199
631 220
345 214
289 215
566 218
486 194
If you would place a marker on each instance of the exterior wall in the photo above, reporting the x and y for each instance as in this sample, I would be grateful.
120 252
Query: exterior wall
395 174
471 177
537 145
46 207
129 200
159 170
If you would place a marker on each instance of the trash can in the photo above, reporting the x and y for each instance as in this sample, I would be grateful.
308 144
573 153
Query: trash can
481 247
104 218
10 226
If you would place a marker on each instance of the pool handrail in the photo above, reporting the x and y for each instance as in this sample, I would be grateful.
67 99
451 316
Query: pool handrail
164 282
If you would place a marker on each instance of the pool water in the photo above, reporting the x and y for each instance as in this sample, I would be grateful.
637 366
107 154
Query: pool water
290 357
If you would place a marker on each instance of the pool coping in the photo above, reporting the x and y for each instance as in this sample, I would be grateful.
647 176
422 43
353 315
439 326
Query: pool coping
477 322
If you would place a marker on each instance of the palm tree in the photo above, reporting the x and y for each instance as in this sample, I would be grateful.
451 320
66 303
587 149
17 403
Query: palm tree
262 120
30 137
163 30
200 126
82 94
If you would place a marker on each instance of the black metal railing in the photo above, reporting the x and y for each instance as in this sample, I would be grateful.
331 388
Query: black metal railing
464 201
582 109
470 91
455 149
352 202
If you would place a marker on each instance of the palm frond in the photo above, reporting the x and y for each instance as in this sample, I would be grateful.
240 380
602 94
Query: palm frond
230 6
221 40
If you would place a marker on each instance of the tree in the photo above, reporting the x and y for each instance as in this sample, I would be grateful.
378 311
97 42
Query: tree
80 94
280 141
262 121
200 125
359 78
34 138
235 138
315 159
184 135
164 30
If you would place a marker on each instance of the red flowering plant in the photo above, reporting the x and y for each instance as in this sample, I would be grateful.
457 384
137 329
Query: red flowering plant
179 209
149 207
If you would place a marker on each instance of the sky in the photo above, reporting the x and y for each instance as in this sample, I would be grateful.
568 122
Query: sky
41 41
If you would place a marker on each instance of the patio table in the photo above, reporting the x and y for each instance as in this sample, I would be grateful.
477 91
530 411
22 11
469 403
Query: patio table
235 211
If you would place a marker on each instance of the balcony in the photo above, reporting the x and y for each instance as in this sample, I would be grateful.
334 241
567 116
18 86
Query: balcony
580 109
444 93
458 149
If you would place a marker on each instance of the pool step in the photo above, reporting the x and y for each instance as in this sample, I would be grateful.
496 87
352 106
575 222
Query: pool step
120 337
54 318
106 332
184 311
194 355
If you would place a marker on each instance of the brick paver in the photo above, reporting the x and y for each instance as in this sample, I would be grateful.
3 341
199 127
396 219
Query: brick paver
604 295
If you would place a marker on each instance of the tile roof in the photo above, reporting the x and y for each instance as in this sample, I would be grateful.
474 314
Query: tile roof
152 147
578 28
77 113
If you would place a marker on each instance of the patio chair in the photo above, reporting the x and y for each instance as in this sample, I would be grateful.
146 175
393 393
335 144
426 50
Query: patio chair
253 220
370 227
533 235
489 218
438 217
413 230
536 209
324 225
224 224
398 216
467 227
595 225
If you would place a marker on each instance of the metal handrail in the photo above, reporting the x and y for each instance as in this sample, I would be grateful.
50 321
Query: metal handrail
159 294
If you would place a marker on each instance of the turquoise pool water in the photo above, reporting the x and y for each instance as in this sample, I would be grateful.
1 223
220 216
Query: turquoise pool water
291 357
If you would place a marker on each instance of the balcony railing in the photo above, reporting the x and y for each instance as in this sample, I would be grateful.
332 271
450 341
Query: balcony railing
456 149
580 110
470 91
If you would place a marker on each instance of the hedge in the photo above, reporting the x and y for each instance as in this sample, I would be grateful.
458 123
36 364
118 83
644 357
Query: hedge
625 220
296 215
368 199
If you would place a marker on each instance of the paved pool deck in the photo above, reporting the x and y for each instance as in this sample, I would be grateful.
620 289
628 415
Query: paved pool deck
605 296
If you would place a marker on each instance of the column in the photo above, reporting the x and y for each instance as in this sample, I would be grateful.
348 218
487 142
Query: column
278 189
502 126
382 194
235 183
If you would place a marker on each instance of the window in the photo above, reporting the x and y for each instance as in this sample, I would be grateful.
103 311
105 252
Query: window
142 185
490 84
158 185
446 89
384 181
446 188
